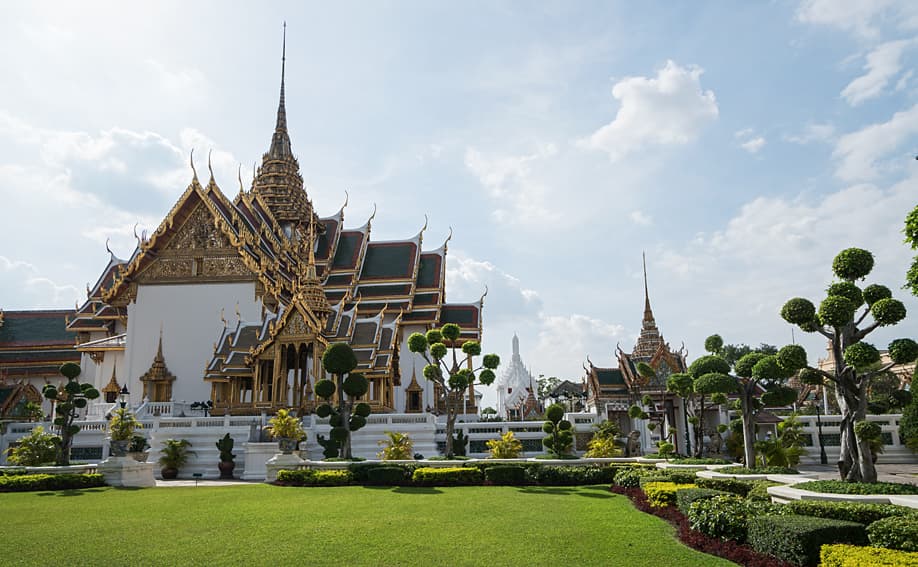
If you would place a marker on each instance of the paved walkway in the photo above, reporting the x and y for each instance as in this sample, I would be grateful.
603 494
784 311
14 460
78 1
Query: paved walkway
203 482
885 473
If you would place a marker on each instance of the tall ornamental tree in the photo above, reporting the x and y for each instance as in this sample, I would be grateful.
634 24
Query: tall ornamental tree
560 434
911 238
453 374
707 381
857 363
68 400
344 416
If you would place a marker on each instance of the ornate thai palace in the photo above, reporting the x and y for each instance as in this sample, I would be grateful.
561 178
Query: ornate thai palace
611 391
234 300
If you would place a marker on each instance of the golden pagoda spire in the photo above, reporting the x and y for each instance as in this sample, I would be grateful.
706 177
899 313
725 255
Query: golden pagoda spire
648 321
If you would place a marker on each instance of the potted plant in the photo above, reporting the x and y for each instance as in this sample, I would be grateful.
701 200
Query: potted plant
138 448
227 463
174 455
287 429
121 430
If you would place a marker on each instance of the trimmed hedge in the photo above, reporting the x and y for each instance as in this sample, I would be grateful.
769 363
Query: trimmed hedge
678 477
860 512
843 555
895 532
842 487
733 486
513 475
661 494
387 476
32 482
759 491
684 498
364 471
693 461
429 476
727 517
758 470
797 539
310 477
574 476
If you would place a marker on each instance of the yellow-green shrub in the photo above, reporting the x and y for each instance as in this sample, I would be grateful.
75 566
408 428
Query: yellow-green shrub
843 555
661 494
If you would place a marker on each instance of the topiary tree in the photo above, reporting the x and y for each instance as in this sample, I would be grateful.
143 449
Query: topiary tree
344 416
911 237
857 363
69 400
759 379
454 375
706 381
560 436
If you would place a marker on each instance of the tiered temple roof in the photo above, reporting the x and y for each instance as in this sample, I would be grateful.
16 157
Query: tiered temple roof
34 344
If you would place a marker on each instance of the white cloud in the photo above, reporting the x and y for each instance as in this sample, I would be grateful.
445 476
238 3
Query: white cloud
185 82
857 16
570 338
641 218
509 180
813 133
669 109
860 153
753 145
883 63
25 282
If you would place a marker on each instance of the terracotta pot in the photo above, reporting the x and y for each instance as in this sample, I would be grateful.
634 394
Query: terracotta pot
226 468
169 473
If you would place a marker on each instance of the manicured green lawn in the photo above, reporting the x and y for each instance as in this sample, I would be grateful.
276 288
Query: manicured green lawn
262 524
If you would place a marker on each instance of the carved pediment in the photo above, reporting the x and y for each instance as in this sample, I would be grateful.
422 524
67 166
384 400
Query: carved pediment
198 233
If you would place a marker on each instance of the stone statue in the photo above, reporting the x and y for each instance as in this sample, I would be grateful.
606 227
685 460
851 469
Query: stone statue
716 443
633 448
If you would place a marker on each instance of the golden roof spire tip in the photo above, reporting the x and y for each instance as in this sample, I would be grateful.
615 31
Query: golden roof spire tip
211 169
193 170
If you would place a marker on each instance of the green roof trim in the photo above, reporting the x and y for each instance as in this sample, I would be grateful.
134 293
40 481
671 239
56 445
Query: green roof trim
429 270
462 315
347 250
35 328
610 376
389 260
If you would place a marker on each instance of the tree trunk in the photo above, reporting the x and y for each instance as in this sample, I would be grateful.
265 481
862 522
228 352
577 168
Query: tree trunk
748 427
699 437
450 423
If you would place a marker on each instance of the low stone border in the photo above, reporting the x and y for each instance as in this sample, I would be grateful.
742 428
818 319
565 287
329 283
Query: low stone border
72 469
784 494
332 465
782 478
681 467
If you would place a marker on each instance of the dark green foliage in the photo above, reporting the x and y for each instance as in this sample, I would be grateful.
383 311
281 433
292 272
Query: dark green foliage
852 264
733 486
841 487
451 331
356 384
847 290
908 425
460 444
345 417
33 482
759 492
668 475
362 409
417 342
861 356
836 311
490 361
356 422
792 358
325 389
767 369
339 358
427 476
225 446
811 377
387 476
704 461
798 311
513 475
747 363
779 396
37 448
713 383
438 350
472 348
560 437
888 311
708 364
797 539
869 430
630 477
574 476
685 497
861 512
895 532
903 351
911 277
311 477
726 517
876 292
364 473
72 397
714 344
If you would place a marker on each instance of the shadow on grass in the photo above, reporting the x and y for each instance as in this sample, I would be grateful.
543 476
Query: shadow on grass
417 490
70 492
597 491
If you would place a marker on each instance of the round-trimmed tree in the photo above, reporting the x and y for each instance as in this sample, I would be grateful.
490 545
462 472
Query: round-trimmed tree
69 399
560 434
845 317
453 374
345 416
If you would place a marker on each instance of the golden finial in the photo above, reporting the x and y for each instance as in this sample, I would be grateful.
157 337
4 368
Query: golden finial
223 317
108 248
239 175
238 315
448 238
209 168
137 238
373 216
193 170
347 199
483 295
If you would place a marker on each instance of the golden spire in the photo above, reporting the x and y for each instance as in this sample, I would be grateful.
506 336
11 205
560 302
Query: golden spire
112 386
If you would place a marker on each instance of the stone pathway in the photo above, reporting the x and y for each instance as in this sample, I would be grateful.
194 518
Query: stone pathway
903 473
203 482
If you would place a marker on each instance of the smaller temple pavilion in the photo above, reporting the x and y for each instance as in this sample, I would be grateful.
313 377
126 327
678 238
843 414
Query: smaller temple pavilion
516 399
611 391
33 345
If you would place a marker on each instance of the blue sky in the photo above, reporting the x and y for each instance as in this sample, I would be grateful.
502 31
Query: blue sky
740 145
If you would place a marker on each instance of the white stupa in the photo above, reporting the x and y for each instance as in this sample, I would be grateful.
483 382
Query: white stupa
514 383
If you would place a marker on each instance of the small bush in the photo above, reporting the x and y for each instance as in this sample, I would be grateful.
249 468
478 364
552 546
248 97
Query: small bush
738 487
387 476
33 482
758 470
575 476
727 517
860 512
310 477
843 555
797 539
362 471
661 494
694 461
512 475
895 532
759 491
506 447
333 478
684 498
300 477
429 476
842 487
